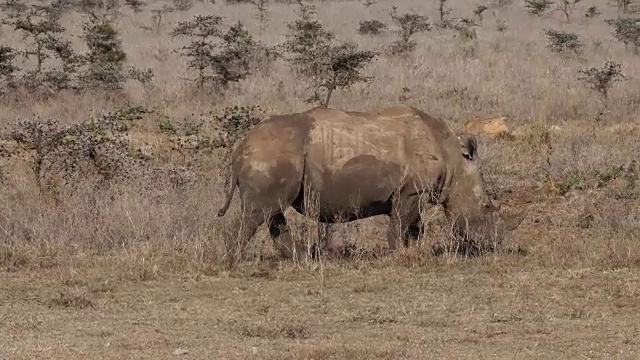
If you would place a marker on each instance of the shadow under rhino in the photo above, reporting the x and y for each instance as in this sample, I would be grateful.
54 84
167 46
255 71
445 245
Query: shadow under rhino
340 166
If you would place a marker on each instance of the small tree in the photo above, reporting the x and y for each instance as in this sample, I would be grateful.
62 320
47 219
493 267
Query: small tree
105 59
40 24
159 13
443 10
567 7
409 24
602 79
262 14
623 6
537 7
328 66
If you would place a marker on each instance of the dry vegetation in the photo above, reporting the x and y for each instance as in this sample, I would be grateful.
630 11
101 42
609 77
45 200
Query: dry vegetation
109 247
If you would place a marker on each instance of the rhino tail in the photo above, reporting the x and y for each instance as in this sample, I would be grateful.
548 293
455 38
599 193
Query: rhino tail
227 202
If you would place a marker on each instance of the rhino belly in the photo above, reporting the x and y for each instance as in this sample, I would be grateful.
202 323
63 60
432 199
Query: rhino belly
361 188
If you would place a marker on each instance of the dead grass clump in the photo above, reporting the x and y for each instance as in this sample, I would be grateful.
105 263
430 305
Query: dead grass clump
70 300
274 331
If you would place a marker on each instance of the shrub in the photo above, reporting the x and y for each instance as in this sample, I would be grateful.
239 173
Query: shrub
537 7
182 5
627 31
560 41
236 121
592 12
602 79
94 149
371 27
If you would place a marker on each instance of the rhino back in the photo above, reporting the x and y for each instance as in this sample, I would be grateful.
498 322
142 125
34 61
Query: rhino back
358 158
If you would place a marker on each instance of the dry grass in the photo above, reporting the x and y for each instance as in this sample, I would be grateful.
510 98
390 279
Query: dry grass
136 270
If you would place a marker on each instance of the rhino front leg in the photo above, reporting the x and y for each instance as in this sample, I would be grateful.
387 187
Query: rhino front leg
282 239
404 217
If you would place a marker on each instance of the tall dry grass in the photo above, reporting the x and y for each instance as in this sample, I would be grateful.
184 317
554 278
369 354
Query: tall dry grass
144 230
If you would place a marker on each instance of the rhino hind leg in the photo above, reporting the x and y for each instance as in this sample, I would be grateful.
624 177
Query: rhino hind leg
282 239
247 224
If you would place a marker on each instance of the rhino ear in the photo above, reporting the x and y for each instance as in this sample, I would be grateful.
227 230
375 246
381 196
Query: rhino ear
468 146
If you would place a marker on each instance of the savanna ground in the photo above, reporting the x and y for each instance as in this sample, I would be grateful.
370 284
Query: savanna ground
135 270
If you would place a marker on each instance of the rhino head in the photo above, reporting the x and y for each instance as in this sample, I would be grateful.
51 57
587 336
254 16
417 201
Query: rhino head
477 220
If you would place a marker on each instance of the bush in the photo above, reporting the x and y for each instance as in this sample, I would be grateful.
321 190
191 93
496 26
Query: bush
537 7
371 27
560 41
602 79
94 149
627 31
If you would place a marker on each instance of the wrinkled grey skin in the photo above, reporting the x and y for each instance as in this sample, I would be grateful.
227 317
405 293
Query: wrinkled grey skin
356 165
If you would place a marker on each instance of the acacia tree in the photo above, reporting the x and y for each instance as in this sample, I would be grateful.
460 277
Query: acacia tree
326 65
218 57
40 27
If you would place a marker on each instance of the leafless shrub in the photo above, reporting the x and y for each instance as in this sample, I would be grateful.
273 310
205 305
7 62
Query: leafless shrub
158 14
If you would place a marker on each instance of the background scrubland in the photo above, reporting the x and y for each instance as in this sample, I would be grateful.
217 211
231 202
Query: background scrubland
110 248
